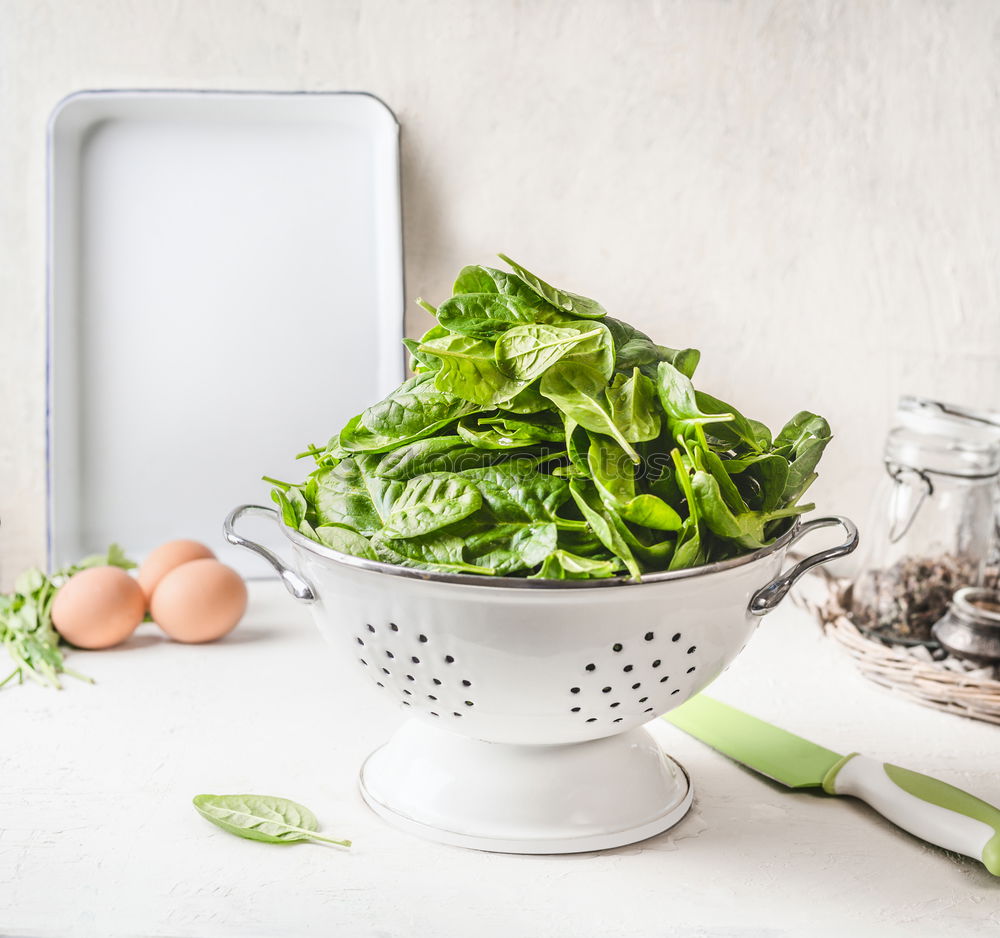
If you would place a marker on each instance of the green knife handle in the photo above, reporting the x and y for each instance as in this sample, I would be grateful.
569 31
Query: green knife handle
926 807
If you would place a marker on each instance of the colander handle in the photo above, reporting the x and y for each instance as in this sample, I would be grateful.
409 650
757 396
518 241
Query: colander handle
294 583
767 597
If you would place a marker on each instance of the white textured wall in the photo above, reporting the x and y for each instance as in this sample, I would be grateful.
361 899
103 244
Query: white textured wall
807 191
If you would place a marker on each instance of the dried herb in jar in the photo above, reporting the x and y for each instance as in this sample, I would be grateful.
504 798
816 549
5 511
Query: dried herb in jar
908 597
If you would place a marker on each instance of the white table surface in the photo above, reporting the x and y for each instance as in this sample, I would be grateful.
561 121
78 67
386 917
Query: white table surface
98 836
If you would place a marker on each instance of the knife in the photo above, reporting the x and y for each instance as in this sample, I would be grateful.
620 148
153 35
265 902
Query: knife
925 807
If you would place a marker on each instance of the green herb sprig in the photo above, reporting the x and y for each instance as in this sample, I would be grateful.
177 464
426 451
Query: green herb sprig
541 437
26 629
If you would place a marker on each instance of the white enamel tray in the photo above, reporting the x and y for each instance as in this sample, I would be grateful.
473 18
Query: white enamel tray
225 287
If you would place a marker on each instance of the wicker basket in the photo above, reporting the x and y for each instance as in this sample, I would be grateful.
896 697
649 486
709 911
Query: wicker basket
933 679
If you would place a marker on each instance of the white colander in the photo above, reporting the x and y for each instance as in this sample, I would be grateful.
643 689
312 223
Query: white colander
527 697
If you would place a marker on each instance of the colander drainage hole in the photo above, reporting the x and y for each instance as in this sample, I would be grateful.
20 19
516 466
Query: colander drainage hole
591 667
690 670
648 636
657 663
433 714
455 713
616 704
415 659
408 693
393 626
466 683
359 639
617 646
675 692
592 720
665 678
386 671
405 703
676 638
643 699
421 638
362 660
574 690
431 697
618 720
692 649
380 684
636 686
574 709
605 690
436 681
410 677
627 668
648 710
389 654
469 703
448 659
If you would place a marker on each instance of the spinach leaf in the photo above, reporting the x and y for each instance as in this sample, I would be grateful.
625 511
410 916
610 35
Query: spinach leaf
508 548
340 496
577 391
438 551
565 565
344 539
262 817
429 502
801 441
487 315
492 434
679 402
523 353
434 454
581 306
416 409
469 370
636 349
606 532
632 401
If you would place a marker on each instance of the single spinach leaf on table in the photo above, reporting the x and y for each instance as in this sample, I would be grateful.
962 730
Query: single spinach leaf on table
265 818
581 306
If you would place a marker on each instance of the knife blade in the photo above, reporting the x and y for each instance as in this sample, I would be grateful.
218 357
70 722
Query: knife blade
924 806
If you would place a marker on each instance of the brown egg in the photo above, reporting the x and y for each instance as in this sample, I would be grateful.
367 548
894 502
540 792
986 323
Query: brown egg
98 608
199 601
167 557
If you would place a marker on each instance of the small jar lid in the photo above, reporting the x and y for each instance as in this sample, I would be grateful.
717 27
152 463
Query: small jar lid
929 416
978 605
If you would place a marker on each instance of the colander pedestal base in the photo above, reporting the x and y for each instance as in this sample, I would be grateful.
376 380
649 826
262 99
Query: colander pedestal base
505 798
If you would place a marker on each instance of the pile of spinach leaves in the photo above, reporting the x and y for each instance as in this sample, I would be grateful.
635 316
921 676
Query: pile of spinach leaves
541 437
